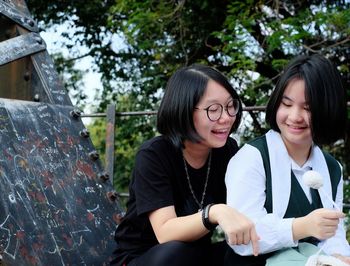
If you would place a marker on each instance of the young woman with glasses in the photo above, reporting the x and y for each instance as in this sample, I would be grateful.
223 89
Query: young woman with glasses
177 191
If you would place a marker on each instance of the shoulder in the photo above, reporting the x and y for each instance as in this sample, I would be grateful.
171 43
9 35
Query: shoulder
246 166
334 167
248 156
155 143
158 144
249 152
157 150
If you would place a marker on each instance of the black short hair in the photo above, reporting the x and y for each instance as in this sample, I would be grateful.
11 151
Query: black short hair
183 91
324 94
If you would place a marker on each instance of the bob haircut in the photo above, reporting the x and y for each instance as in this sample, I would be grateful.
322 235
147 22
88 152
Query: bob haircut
324 95
184 90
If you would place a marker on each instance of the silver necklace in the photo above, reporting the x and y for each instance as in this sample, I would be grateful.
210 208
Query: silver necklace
200 204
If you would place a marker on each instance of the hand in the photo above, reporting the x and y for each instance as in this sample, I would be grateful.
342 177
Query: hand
342 258
237 227
323 223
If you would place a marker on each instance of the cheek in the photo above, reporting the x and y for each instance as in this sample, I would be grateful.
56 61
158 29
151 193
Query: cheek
197 121
308 118
200 123
280 115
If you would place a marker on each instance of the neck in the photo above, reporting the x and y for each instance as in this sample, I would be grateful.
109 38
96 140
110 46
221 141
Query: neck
195 155
299 154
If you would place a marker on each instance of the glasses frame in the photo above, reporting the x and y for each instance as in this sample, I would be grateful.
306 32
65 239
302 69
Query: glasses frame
236 101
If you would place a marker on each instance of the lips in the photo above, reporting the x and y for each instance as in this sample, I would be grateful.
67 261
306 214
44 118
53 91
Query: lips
296 128
221 134
220 131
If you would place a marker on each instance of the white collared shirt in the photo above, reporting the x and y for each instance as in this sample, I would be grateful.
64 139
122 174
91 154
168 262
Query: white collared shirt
246 182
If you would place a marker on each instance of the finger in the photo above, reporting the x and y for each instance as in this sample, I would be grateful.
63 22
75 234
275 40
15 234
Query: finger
231 238
239 237
330 234
334 215
327 234
327 222
330 228
246 238
331 220
254 238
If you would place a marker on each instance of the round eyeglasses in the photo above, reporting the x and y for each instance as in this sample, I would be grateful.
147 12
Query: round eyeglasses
214 111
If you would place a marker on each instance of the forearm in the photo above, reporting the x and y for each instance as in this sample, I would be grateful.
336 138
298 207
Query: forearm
187 228
300 228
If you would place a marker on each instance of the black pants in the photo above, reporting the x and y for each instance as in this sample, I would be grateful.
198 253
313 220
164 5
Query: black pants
176 253
233 259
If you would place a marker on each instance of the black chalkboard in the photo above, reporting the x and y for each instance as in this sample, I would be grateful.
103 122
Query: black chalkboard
54 208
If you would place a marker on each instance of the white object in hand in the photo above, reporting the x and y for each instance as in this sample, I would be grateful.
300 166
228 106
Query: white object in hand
313 179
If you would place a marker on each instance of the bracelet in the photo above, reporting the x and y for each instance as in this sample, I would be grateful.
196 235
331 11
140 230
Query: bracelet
205 218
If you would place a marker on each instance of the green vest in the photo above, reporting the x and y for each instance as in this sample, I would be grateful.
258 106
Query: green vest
333 168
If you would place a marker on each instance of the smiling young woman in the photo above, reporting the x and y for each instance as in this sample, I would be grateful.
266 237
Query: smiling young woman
306 109
177 191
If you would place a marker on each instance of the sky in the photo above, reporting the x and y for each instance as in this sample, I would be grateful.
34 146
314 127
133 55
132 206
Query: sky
91 80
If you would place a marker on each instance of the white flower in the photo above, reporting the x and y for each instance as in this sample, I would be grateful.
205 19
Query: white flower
313 179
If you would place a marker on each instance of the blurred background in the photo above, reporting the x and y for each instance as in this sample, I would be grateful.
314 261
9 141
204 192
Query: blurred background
124 51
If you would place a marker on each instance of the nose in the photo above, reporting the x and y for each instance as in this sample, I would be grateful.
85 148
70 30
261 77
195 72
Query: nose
296 114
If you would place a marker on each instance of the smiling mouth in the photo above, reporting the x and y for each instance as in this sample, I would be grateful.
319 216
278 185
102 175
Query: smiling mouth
294 127
220 131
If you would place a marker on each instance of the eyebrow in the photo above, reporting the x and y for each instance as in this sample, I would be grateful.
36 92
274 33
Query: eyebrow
286 98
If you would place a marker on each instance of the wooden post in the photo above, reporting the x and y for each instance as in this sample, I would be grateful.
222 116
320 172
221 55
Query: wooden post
110 128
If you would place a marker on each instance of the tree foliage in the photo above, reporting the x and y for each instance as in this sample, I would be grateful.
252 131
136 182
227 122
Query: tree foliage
250 41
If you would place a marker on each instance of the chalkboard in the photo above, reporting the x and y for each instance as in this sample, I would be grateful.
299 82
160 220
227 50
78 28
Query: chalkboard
54 208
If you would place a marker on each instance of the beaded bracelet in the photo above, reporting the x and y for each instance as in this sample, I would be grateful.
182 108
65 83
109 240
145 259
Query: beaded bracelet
205 218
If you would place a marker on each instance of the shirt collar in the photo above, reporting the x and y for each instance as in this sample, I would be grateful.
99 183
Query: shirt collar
306 166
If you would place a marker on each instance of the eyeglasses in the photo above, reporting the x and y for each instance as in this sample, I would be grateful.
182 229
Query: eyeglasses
214 111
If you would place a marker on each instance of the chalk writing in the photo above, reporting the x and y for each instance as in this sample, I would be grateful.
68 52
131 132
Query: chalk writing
54 209
18 47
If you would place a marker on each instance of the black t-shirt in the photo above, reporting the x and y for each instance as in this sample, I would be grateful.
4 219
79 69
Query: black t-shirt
159 180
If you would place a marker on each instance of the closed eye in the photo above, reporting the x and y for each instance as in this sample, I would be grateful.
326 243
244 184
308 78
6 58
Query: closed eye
287 104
